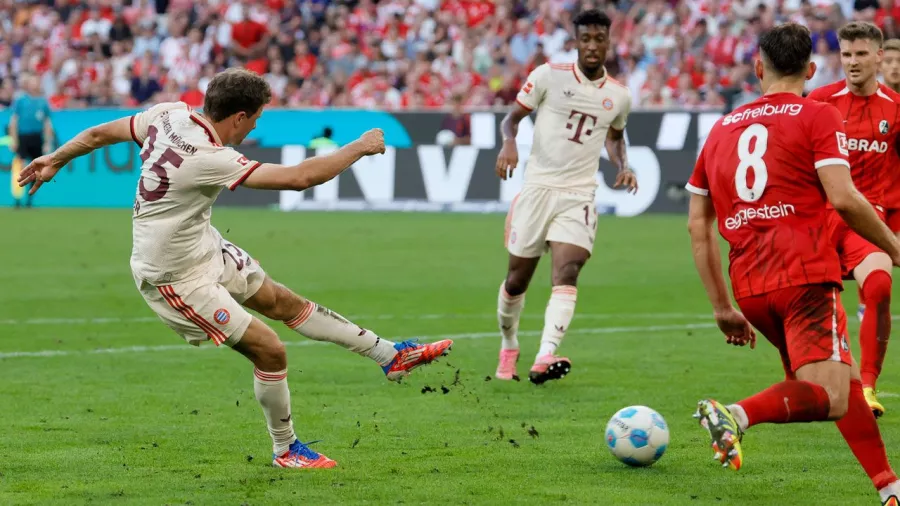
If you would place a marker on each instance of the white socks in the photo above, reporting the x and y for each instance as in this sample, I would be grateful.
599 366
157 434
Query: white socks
740 416
509 308
272 392
557 317
892 489
322 324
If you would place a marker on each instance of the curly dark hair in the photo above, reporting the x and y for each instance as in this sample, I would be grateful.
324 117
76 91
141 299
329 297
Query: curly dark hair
592 17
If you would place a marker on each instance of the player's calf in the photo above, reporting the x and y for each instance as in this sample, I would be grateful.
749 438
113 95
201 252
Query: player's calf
819 393
875 330
322 324
860 430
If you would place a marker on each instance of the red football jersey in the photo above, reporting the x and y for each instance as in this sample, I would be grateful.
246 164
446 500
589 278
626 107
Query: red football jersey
872 124
759 167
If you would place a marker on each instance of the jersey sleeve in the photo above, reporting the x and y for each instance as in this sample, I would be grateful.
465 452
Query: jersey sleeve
535 88
828 138
698 184
622 119
226 167
141 121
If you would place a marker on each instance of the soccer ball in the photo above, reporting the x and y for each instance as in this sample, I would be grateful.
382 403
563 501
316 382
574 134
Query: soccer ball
637 435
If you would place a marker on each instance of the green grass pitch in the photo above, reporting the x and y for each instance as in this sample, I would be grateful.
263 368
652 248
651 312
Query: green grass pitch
101 403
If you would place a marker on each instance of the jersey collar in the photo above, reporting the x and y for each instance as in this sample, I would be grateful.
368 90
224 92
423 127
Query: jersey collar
582 79
206 125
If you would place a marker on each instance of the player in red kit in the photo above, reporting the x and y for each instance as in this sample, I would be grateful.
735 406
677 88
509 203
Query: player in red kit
871 114
766 173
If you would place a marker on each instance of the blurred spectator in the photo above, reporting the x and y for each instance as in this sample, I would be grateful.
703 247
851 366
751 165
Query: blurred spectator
323 140
400 53
459 123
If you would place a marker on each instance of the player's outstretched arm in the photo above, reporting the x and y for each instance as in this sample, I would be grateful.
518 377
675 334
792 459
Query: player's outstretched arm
856 210
508 158
318 169
708 260
617 151
44 168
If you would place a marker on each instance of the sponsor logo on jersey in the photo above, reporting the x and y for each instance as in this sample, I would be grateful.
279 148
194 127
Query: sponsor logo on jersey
568 93
842 143
867 145
527 88
744 216
844 346
883 127
762 111
607 104
222 316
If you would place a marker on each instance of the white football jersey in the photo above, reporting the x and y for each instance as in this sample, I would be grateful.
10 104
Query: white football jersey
573 117
185 167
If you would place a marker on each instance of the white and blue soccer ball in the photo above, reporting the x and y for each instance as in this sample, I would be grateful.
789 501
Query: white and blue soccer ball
637 435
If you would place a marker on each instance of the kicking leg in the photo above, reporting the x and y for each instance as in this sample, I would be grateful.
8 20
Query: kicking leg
568 260
261 346
510 303
819 393
808 326
309 319
873 275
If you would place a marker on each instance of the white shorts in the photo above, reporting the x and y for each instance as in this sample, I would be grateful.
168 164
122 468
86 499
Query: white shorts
209 307
539 215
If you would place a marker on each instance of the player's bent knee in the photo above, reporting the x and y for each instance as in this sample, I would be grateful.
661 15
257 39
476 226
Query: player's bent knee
839 406
834 378
260 344
515 284
519 274
567 273
877 285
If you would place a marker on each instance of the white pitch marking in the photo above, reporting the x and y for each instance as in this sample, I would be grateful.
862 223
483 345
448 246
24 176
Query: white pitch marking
463 316
468 335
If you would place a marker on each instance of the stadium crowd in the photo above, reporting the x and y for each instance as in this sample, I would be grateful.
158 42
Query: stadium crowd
398 54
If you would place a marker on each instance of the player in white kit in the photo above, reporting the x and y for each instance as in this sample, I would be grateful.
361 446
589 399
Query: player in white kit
199 283
579 110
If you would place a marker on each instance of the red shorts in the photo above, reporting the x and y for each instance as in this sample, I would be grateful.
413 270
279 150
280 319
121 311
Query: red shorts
806 323
892 218
851 247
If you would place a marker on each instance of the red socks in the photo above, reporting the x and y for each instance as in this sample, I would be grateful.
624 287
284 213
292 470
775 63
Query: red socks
876 325
860 430
788 402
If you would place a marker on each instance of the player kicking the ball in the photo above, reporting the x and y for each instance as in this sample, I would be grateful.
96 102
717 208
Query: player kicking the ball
579 109
199 283
871 114
764 174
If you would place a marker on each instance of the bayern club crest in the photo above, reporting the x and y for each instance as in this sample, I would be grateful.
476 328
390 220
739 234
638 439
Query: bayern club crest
607 104
883 127
222 316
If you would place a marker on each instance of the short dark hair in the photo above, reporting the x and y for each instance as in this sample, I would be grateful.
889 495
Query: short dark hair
786 49
592 17
861 30
235 90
